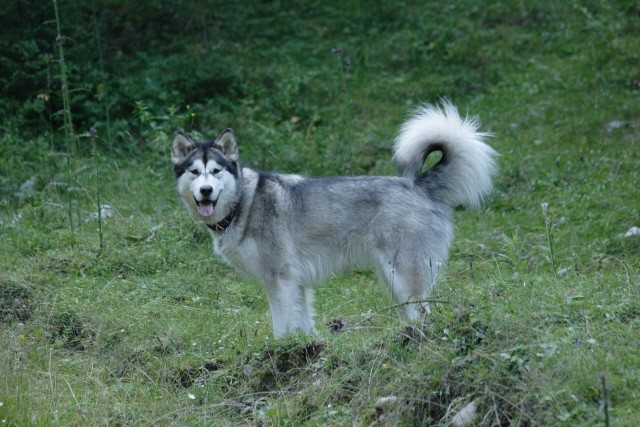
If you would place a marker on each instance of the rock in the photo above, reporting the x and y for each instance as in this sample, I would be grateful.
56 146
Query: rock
466 416
615 124
383 406
632 232
387 402
27 188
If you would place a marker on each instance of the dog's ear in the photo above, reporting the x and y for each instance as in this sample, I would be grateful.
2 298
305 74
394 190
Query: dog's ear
226 143
182 145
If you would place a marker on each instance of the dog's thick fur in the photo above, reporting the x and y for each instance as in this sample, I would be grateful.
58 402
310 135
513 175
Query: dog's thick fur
290 232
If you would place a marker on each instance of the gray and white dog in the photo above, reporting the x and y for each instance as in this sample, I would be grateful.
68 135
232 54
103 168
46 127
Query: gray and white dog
291 232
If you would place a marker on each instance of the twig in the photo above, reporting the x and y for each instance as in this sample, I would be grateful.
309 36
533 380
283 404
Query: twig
605 401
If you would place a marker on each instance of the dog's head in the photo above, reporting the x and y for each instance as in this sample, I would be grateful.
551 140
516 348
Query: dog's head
207 175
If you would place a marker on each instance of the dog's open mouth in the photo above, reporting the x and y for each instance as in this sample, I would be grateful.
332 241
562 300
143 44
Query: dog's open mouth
205 207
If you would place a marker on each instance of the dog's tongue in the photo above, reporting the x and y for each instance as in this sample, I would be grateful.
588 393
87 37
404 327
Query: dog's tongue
205 208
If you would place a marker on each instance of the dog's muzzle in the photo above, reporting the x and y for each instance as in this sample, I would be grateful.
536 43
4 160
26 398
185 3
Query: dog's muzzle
206 205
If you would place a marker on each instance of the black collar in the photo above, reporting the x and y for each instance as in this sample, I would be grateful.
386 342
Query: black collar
222 225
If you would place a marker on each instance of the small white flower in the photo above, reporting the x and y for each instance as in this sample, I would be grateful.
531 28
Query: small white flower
545 207
192 396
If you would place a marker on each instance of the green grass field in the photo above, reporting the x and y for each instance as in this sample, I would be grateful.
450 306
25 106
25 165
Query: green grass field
536 318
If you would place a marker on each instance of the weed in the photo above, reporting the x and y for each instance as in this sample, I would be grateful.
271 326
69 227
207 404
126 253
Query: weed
605 401
344 70
516 253
93 133
102 89
548 226
69 133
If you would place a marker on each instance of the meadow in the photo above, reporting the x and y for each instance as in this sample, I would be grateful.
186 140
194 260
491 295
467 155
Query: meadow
114 311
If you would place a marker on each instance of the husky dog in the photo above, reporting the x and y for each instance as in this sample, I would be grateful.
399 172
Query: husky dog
291 232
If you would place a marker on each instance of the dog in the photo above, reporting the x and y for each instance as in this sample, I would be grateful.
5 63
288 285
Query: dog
291 232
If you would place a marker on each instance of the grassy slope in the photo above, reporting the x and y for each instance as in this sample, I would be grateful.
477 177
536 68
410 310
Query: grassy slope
153 330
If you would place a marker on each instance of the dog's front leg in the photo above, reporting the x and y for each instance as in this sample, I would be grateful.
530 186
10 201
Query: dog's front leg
290 306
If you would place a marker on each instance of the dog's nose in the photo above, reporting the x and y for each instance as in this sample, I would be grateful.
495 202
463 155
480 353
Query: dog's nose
206 190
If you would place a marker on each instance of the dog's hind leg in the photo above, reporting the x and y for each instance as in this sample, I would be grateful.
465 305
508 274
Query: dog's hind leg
409 284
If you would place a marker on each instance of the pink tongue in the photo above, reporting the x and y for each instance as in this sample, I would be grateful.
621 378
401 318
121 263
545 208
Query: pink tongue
205 209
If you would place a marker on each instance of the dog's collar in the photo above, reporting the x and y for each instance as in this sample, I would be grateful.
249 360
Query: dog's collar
224 224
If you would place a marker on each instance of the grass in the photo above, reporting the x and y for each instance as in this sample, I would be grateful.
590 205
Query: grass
137 323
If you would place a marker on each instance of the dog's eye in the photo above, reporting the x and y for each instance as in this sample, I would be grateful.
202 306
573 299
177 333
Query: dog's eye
216 171
194 171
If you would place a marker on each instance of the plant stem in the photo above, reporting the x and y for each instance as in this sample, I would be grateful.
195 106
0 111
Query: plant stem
93 134
548 227
344 67
551 245
67 123
103 94
605 399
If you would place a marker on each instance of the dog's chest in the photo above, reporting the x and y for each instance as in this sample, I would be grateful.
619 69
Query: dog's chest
243 256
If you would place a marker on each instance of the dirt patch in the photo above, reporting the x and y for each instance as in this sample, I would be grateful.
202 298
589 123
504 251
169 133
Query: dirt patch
283 364
70 331
190 376
14 301
285 359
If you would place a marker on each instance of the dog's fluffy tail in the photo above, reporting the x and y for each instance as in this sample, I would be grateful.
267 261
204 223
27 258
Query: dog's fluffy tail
463 174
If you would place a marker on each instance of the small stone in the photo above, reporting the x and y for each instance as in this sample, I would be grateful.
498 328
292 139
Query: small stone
632 232
466 416
247 370
615 124
386 402
27 188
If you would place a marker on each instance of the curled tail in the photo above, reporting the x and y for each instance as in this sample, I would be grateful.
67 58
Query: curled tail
463 174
